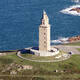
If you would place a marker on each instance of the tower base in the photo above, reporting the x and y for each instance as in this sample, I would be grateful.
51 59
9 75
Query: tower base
52 52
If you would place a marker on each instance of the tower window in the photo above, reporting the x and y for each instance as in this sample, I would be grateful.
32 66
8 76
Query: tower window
44 41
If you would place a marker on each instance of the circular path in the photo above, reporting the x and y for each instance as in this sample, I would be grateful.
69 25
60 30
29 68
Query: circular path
57 60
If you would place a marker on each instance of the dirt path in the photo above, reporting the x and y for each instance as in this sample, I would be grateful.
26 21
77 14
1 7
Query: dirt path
66 48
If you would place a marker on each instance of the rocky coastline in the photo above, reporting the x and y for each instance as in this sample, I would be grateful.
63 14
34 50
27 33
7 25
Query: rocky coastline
74 39
76 9
68 40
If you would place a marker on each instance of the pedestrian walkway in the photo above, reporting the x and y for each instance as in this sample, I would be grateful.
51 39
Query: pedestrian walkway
57 60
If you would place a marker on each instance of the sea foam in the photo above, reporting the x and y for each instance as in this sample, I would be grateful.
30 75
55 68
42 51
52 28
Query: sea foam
60 40
67 10
76 1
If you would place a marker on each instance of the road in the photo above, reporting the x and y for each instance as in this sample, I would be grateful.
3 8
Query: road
66 48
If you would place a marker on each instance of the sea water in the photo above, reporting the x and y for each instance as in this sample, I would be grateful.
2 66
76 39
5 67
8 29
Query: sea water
20 20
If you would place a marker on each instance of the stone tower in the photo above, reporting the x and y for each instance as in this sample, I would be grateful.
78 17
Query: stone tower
44 33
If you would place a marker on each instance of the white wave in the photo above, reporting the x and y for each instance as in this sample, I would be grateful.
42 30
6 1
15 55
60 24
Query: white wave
60 40
67 10
77 1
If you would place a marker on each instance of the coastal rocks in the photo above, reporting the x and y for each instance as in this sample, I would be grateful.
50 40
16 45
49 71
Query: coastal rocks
15 68
73 39
73 10
76 9
24 67
27 67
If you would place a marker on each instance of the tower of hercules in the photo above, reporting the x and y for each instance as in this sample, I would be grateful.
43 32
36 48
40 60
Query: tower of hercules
44 33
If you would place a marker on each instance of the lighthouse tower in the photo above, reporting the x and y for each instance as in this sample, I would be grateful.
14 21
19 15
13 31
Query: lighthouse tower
44 39
44 33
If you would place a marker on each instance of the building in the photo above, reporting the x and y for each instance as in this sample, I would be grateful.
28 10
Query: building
44 39
44 33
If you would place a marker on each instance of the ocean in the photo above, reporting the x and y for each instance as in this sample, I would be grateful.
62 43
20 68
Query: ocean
20 20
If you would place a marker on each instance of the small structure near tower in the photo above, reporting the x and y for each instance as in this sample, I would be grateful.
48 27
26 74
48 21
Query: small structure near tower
44 39
44 34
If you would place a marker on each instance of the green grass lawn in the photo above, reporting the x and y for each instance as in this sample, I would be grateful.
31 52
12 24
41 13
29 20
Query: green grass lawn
45 71
73 44
78 49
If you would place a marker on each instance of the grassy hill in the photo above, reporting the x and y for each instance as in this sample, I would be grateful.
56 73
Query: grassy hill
64 70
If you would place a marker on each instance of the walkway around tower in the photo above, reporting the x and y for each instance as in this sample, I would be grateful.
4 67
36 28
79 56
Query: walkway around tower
67 48
64 48
65 58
